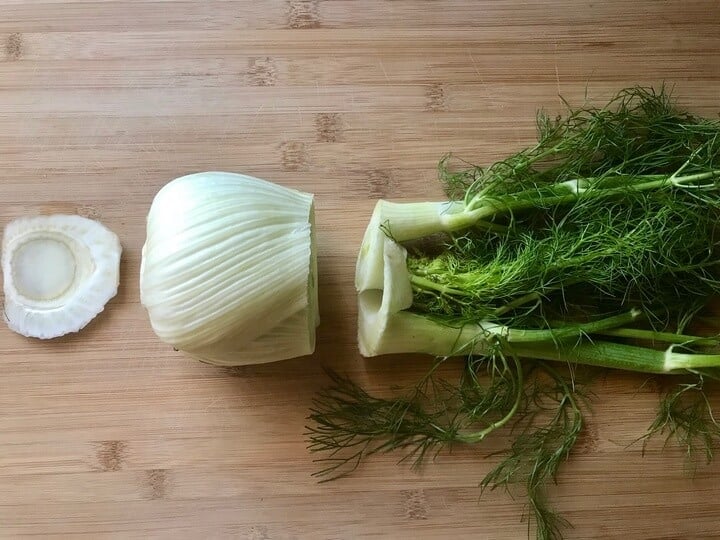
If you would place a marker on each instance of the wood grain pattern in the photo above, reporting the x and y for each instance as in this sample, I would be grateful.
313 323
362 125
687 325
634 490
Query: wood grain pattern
111 434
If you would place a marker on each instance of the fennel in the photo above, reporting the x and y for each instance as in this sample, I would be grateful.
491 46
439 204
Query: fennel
686 415
229 269
598 247
59 273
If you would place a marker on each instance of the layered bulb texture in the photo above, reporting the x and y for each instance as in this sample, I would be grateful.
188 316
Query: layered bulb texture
229 272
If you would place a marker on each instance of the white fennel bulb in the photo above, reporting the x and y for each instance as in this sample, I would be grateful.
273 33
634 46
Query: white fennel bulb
229 271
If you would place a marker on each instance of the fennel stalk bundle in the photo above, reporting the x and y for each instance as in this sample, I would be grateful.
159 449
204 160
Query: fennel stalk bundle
596 247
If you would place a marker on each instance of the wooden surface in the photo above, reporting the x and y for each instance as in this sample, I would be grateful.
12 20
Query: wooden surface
111 434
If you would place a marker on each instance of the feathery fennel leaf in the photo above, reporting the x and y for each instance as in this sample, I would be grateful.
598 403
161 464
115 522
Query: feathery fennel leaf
598 246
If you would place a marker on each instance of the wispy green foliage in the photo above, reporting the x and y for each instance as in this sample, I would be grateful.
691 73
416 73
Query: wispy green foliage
614 210
653 251
350 424
622 199
640 131
685 415
541 404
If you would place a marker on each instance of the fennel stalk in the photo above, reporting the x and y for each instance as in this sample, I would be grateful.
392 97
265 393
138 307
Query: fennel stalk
598 246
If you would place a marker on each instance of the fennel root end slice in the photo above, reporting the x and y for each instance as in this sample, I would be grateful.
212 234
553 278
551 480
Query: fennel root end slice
59 272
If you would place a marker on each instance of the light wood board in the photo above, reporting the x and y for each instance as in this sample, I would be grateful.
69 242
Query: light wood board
111 434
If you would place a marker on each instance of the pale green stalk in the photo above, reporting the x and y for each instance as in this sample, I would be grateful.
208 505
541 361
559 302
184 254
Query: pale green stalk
410 221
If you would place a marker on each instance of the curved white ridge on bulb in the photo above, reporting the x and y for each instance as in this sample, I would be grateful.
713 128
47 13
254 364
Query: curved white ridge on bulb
228 267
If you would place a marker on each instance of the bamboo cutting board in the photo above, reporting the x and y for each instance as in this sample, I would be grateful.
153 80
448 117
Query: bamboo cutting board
111 434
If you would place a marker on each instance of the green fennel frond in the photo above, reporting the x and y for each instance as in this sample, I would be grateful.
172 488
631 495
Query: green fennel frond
640 131
542 446
599 245
620 250
685 414
349 424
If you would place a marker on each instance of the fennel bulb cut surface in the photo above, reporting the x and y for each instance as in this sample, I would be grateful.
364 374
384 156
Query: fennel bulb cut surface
229 271
59 272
